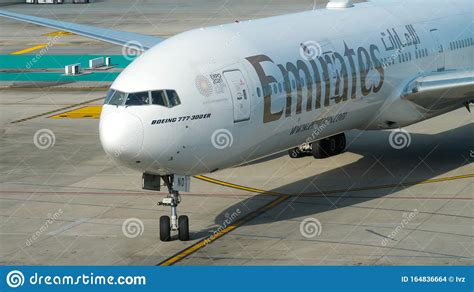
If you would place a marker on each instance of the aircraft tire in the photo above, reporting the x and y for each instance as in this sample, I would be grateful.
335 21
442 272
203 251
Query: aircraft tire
165 228
183 228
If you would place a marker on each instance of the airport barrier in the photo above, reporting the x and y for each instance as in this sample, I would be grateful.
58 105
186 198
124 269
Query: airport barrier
96 63
73 69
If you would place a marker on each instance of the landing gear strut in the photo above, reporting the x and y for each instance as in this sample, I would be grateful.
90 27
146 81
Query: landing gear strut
175 223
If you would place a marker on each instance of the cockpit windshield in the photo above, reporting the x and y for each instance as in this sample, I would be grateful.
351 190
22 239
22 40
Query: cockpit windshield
117 98
159 98
167 98
138 98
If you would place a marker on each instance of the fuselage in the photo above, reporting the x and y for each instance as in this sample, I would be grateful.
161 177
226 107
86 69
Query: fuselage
250 89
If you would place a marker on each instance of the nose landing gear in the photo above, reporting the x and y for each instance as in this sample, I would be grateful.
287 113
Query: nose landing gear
175 223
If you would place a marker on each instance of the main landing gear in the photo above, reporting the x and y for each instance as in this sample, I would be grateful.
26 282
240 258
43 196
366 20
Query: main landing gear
327 147
167 223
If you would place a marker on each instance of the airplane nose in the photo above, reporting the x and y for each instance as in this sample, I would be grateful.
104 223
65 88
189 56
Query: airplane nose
121 135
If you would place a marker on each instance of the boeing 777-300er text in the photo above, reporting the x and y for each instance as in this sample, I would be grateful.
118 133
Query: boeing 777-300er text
216 97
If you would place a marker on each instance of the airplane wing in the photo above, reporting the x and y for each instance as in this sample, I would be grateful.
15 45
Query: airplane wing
441 90
128 39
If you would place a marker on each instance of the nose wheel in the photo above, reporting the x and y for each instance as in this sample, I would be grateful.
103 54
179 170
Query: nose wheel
173 222
183 228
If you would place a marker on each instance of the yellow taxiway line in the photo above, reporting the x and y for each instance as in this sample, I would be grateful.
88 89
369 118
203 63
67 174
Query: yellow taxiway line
280 199
85 112
57 110
30 49
58 33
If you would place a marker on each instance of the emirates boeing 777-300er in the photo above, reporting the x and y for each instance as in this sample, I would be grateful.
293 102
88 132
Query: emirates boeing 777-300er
216 97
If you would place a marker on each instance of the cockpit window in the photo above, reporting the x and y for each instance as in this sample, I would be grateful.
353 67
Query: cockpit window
109 96
173 99
159 98
118 98
167 98
138 98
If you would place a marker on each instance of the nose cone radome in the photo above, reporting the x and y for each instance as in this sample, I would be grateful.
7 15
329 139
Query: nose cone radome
121 135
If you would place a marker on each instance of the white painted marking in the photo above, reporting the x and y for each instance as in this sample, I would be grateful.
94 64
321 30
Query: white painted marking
68 226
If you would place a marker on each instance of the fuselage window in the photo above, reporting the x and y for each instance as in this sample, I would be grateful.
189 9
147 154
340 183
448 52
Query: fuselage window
138 98
280 87
118 98
293 83
275 88
159 98
259 94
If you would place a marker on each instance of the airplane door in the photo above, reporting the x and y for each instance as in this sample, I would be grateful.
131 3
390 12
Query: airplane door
240 95
439 49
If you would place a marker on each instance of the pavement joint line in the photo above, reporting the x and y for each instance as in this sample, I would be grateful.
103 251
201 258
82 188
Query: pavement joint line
280 199
57 110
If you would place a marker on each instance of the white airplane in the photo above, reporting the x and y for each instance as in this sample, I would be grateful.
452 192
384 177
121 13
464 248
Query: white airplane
216 97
